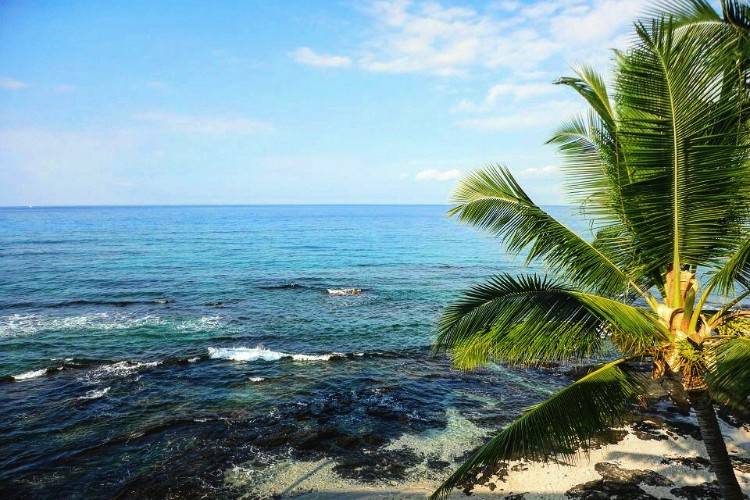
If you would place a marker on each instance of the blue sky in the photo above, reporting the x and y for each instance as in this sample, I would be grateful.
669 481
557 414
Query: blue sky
145 102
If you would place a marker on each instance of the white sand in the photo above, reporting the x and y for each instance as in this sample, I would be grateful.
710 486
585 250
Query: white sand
535 480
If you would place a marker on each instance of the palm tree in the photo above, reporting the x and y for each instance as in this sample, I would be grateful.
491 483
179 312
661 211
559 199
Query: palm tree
662 171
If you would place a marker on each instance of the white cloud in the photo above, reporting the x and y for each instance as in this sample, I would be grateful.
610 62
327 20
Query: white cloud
519 90
504 91
305 55
509 5
543 114
428 37
437 175
520 37
539 172
203 124
599 22
12 84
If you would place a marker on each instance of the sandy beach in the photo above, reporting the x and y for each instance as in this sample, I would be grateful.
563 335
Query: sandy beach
658 455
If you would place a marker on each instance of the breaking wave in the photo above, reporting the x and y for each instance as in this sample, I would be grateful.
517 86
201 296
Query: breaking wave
119 369
30 374
95 393
28 324
261 353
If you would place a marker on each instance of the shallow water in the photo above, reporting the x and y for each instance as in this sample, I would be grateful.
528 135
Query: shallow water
160 350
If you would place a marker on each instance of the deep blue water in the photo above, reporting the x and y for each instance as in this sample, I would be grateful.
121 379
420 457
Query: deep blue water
131 344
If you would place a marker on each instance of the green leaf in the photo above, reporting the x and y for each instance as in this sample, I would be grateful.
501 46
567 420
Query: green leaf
530 319
492 200
561 425
590 85
729 371
681 137
735 269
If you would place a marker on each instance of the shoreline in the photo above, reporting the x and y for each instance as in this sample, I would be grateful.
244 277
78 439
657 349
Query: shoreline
658 455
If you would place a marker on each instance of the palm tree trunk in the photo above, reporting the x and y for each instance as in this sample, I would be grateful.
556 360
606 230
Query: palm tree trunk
717 450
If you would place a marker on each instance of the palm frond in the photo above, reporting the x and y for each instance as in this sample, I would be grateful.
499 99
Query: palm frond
530 319
492 200
735 14
591 165
616 242
686 12
680 137
729 371
735 269
590 85
561 425
594 167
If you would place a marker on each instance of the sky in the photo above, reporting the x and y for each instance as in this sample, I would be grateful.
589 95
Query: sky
265 102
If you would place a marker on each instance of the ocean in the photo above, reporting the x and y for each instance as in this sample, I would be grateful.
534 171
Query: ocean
197 351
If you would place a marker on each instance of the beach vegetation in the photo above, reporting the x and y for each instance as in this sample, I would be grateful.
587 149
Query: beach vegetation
660 167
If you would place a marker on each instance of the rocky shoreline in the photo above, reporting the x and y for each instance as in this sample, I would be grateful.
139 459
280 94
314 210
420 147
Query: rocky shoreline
657 454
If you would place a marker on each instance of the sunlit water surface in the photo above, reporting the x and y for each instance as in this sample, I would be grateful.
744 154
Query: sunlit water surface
196 350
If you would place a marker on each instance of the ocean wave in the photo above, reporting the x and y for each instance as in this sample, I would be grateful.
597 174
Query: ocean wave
96 369
29 324
119 369
95 393
261 353
30 374
256 379
86 302
202 323
283 286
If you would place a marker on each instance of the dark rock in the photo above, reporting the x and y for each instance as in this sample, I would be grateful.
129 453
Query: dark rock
605 490
704 491
683 429
618 483
375 466
610 436
386 413
741 464
649 430
437 464
515 496
612 472
692 462
734 417
482 475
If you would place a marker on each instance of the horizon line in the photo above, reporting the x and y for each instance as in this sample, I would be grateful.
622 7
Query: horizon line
177 205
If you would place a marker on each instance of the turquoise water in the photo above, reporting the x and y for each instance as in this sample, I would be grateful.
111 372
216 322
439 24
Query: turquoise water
146 351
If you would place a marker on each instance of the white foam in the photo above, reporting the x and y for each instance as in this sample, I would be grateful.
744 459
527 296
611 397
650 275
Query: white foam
256 379
193 360
29 324
261 353
120 369
95 393
202 323
344 291
316 357
30 374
